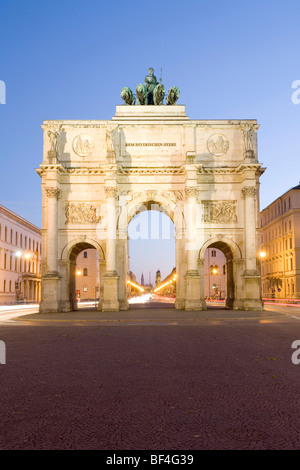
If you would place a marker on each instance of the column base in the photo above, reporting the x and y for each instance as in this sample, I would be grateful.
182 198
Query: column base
110 293
195 305
123 305
50 301
179 304
193 299
252 293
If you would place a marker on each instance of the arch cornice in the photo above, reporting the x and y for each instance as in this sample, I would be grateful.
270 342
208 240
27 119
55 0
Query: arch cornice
168 205
66 251
235 249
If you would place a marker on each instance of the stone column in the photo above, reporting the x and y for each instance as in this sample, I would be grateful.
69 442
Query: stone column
53 194
251 278
193 299
110 298
122 266
50 301
248 193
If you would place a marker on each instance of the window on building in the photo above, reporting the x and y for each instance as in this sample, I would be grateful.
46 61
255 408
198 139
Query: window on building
10 263
85 254
16 264
9 286
11 236
291 243
213 253
21 240
85 272
16 238
5 235
26 243
290 225
84 288
5 260
33 245
29 244
4 285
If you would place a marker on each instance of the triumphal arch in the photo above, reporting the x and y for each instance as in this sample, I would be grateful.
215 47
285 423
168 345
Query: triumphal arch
97 175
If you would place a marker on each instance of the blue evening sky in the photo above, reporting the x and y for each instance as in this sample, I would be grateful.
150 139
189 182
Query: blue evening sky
69 59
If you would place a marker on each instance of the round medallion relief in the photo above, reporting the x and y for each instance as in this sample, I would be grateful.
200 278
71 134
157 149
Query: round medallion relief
217 144
83 145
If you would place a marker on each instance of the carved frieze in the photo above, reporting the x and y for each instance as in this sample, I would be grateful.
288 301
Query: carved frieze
151 171
82 212
217 144
220 212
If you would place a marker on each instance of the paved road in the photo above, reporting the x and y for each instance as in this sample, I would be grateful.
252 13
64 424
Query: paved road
157 379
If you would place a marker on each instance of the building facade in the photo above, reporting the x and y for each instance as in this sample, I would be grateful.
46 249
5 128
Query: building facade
20 259
87 275
97 175
214 274
280 244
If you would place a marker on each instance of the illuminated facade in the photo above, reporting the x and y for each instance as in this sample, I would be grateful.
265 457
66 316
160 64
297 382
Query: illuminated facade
20 259
280 244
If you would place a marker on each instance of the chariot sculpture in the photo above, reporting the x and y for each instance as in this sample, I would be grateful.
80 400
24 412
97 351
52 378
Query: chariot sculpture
152 92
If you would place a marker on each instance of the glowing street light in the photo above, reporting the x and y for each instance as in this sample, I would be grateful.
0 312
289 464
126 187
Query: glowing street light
262 254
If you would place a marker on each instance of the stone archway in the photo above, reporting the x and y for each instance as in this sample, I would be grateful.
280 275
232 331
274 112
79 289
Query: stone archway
232 254
150 154
67 269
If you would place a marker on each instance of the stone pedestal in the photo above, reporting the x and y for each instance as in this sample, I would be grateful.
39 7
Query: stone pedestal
110 301
50 302
193 288
252 291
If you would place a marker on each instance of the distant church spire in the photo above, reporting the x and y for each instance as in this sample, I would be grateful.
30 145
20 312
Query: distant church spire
157 277
142 280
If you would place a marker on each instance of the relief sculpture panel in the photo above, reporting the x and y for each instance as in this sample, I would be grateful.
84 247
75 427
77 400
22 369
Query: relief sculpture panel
82 212
220 212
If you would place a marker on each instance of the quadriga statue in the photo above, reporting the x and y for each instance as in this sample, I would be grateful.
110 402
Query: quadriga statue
127 96
152 92
141 94
159 94
173 95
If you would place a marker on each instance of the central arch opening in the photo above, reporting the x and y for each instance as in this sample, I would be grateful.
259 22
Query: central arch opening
151 258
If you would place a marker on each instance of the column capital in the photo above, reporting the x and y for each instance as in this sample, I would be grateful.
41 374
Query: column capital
248 191
53 192
191 192
110 191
